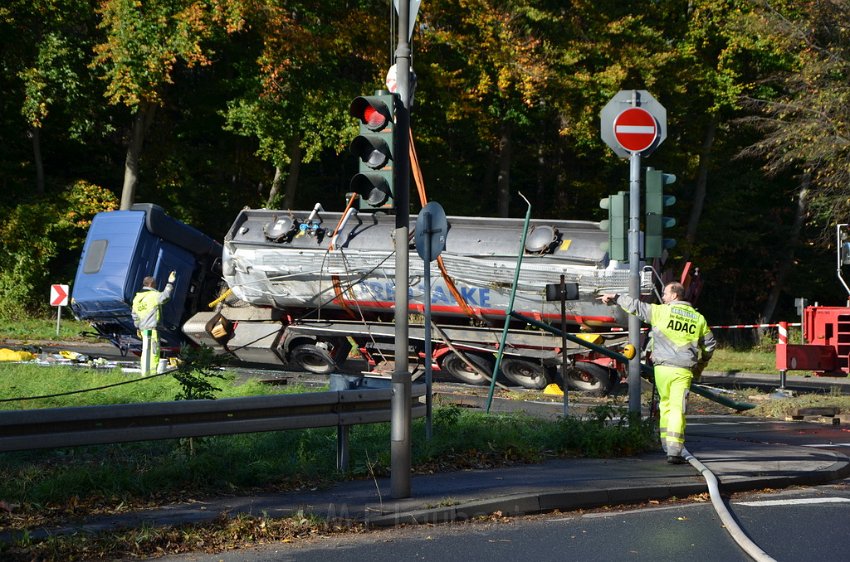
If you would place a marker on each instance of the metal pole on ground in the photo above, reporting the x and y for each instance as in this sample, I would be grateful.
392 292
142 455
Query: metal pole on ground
510 308
400 449
427 297
564 343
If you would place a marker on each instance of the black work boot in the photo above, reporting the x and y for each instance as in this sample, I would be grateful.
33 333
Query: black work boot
676 459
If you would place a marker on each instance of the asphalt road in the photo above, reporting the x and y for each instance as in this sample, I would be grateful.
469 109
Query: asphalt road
796 524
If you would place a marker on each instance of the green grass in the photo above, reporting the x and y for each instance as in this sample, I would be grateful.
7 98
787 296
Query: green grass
138 472
44 329
31 380
729 360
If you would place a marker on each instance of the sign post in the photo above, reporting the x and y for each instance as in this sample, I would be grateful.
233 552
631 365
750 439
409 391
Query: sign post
430 238
634 124
400 444
58 298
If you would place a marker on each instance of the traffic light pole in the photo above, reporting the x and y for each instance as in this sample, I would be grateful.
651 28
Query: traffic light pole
634 279
400 450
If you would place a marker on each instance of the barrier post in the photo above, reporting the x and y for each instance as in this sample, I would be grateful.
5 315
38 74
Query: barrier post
783 340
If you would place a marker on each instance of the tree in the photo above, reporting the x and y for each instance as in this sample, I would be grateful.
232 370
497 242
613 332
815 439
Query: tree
807 126
50 62
487 60
313 60
144 43
804 125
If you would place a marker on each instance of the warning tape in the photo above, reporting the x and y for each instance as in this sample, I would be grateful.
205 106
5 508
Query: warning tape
755 325
777 325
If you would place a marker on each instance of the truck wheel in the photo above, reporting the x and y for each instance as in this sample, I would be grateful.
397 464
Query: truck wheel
527 374
589 377
314 359
455 366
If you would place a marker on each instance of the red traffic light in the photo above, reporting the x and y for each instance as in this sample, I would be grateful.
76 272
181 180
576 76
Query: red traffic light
372 111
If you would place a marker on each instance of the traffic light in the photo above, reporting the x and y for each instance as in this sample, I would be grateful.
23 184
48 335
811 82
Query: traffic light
617 225
375 149
655 221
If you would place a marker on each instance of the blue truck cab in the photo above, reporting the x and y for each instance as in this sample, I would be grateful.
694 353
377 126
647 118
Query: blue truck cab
121 249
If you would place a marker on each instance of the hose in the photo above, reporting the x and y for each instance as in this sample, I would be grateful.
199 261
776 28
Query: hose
751 548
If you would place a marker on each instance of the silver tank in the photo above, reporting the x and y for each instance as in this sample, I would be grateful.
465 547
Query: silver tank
319 264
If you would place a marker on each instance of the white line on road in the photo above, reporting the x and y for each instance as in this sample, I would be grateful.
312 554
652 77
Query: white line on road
637 511
826 445
798 501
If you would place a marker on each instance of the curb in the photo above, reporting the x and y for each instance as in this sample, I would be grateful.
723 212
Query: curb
570 500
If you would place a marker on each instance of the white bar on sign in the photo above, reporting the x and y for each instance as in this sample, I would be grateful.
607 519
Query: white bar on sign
636 129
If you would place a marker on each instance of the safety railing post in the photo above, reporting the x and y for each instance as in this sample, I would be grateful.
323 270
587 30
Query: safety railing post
342 451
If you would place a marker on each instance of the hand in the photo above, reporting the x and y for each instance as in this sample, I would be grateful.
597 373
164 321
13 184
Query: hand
172 277
607 298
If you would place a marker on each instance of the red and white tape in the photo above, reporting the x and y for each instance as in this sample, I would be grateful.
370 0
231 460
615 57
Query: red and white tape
755 325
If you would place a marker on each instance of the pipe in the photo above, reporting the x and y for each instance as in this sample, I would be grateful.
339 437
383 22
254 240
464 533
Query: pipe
738 535
510 308
645 370
342 222
317 208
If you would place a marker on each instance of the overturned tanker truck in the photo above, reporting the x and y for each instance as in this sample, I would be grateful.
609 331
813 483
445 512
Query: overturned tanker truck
308 290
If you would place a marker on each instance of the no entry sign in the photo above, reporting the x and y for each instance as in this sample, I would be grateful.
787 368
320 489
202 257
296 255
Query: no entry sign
58 295
628 132
635 129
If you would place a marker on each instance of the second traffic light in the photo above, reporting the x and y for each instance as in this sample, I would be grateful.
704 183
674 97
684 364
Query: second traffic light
617 225
654 220
375 150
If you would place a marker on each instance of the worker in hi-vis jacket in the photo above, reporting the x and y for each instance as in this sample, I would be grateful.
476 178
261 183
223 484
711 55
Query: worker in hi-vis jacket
682 344
146 314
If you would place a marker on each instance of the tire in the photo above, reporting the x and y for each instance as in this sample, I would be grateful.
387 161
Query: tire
594 379
455 366
524 372
314 359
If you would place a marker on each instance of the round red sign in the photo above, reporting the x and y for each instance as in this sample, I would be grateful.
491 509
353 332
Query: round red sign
635 129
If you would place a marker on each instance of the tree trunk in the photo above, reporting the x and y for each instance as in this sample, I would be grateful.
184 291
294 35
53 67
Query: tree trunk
539 197
143 120
294 171
35 135
275 188
702 181
787 260
503 182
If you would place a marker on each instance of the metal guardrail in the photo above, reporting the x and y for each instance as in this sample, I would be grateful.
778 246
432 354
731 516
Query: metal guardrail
49 428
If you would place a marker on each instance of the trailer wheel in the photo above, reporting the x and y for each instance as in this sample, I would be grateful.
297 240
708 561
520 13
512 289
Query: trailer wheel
527 374
455 366
594 379
314 358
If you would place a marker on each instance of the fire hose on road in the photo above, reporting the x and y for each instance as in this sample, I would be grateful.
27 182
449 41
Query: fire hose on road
726 517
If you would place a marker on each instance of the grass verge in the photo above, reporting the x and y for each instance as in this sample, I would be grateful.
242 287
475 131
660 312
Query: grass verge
44 488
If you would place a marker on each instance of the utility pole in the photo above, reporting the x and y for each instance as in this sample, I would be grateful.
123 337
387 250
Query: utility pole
400 450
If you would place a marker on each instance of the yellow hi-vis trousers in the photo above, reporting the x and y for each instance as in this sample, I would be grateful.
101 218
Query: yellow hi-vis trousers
150 352
673 384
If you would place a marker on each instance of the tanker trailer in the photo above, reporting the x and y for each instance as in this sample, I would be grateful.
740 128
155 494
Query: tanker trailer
308 286
305 289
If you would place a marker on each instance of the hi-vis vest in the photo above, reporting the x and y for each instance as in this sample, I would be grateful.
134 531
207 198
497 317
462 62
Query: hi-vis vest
146 306
679 332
